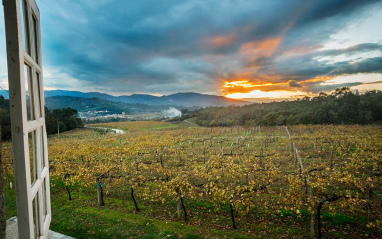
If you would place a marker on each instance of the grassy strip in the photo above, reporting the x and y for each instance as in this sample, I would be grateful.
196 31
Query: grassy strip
82 218
160 127
10 201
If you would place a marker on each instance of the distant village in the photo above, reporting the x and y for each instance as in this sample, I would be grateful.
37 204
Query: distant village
105 116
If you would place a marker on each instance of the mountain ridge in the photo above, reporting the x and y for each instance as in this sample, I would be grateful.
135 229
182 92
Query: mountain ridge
180 99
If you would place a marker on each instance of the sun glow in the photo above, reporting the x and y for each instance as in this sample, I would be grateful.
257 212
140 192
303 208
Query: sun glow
257 94
242 83
243 89
247 84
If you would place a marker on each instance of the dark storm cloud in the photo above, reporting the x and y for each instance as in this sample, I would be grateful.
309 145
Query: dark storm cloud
370 65
170 46
293 83
309 65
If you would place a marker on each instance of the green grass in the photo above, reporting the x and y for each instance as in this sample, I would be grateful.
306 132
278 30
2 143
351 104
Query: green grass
339 219
10 201
103 222
169 126
83 218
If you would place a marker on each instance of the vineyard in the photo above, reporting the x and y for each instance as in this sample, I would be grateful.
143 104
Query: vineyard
235 182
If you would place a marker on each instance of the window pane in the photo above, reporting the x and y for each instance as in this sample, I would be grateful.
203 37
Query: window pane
35 32
24 26
32 156
44 210
41 108
35 217
42 158
29 92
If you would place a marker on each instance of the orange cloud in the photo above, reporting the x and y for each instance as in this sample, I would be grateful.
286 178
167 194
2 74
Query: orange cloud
257 49
300 50
244 86
243 89
242 83
265 83
226 40
316 80
257 88
220 41
247 84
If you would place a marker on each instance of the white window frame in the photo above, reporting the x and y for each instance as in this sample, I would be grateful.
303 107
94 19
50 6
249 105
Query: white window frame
29 137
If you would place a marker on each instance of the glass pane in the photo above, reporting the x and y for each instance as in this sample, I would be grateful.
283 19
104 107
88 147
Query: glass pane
41 138
44 210
35 32
24 26
39 114
32 155
29 92
35 217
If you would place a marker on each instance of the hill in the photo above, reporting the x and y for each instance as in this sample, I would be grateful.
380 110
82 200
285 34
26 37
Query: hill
4 93
187 99
50 93
97 104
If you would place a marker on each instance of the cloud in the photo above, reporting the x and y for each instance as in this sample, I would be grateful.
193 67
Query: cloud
257 49
370 65
162 47
220 41
293 83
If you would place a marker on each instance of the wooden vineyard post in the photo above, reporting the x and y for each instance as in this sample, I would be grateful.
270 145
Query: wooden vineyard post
204 152
291 145
100 192
178 207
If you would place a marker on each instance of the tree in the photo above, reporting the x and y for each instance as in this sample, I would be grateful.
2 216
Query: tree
66 118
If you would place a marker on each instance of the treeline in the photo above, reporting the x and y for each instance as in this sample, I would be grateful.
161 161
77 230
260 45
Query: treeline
64 119
340 107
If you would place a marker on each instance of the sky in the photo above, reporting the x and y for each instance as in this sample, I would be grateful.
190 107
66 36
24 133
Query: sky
252 49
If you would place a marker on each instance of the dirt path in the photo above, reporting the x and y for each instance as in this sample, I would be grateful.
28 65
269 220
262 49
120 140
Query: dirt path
117 131
191 123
